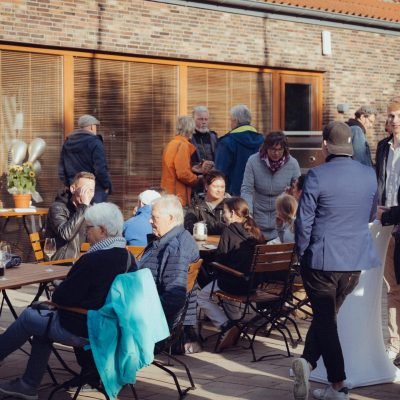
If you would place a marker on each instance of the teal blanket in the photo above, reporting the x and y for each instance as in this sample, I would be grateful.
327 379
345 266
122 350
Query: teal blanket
123 332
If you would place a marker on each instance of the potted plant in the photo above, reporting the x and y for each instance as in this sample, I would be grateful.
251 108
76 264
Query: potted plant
21 183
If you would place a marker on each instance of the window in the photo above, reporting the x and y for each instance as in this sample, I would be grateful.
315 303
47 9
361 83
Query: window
136 104
31 88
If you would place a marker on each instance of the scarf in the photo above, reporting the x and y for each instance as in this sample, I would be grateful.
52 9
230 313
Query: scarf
274 166
108 243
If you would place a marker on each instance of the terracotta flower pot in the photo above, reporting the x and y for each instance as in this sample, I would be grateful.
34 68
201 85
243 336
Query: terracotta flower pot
22 200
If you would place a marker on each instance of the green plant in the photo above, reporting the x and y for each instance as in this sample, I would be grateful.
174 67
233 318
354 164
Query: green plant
21 179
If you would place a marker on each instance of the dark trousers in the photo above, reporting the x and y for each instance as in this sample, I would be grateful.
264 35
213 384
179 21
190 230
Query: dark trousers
326 291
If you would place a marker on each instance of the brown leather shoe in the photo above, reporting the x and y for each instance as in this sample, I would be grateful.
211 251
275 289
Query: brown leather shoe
228 339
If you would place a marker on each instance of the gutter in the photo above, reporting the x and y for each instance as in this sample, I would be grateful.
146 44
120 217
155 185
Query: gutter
282 11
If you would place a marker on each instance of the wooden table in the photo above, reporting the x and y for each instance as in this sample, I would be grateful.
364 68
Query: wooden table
208 245
8 213
28 274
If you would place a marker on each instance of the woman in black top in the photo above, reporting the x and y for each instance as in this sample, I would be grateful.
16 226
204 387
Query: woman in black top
235 250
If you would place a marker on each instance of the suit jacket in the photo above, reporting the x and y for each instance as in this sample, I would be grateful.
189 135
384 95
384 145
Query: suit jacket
338 201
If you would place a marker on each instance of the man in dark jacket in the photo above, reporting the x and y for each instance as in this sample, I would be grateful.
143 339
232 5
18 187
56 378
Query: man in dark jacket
168 256
83 150
86 286
235 148
364 119
66 216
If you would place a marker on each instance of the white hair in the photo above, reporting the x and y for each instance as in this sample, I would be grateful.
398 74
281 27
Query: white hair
242 114
199 109
185 125
169 204
107 215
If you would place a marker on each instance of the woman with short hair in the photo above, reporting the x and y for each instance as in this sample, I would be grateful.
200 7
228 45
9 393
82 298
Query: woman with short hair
177 176
267 174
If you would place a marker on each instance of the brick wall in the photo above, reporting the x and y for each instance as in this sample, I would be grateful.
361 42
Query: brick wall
362 69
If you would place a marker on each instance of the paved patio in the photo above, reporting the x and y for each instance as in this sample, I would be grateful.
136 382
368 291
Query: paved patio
229 375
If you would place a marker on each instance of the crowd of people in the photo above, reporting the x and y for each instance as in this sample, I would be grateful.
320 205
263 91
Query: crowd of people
248 189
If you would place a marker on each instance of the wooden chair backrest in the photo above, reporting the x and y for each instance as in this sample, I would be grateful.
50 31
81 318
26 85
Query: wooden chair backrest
36 243
85 246
136 251
193 272
273 258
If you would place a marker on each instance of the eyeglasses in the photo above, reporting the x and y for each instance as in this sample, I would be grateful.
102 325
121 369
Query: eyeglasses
276 151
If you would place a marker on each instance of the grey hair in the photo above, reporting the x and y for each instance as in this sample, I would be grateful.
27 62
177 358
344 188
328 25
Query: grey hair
242 114
199 109
107 215
185 125
169 204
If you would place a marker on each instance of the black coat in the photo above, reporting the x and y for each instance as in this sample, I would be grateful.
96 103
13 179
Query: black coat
65 224
88 283
84 151
235 250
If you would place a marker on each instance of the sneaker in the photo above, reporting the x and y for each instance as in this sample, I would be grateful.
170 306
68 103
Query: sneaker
329 393
17 388
228 338
391 353
301 370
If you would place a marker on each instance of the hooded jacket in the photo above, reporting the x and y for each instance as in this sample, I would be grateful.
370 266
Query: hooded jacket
233 151
235 250
176 175
83 151
64 223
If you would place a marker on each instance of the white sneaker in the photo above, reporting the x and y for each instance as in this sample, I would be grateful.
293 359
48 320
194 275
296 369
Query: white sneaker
301 370
392 354
329 393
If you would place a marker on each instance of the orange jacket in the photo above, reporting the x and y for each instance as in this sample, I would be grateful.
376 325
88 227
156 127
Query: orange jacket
176 175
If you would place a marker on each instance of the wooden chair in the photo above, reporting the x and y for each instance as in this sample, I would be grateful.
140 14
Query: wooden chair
36 243
137 251
176 333
85 246
271 269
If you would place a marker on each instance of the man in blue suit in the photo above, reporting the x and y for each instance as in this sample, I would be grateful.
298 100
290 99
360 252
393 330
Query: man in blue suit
333 244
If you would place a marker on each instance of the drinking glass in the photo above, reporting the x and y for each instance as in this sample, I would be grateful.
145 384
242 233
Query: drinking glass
2 265
6 249
49 247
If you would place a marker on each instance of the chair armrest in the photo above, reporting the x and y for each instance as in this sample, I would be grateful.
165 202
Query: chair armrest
51 305
229 270
65 261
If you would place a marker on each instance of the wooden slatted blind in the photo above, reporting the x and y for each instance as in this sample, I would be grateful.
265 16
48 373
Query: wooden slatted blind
136 104
31 87
221 89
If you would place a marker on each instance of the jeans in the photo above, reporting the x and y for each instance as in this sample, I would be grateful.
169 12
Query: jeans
35 323
213 310
326 291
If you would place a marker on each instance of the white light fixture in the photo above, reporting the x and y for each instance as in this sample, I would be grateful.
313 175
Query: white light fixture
326 43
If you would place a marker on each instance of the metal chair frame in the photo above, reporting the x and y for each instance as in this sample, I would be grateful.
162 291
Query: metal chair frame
271 268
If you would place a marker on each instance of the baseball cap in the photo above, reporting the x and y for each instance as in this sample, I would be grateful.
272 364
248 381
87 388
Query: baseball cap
87 120
338 137
148 196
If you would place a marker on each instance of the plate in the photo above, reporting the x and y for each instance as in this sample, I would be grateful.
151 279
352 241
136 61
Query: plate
5 210
25 210
210 246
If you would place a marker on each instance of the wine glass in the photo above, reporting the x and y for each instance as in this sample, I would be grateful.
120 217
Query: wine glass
49 247
2 265
6 249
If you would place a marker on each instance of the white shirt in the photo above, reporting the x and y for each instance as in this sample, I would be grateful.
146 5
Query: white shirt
392 175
